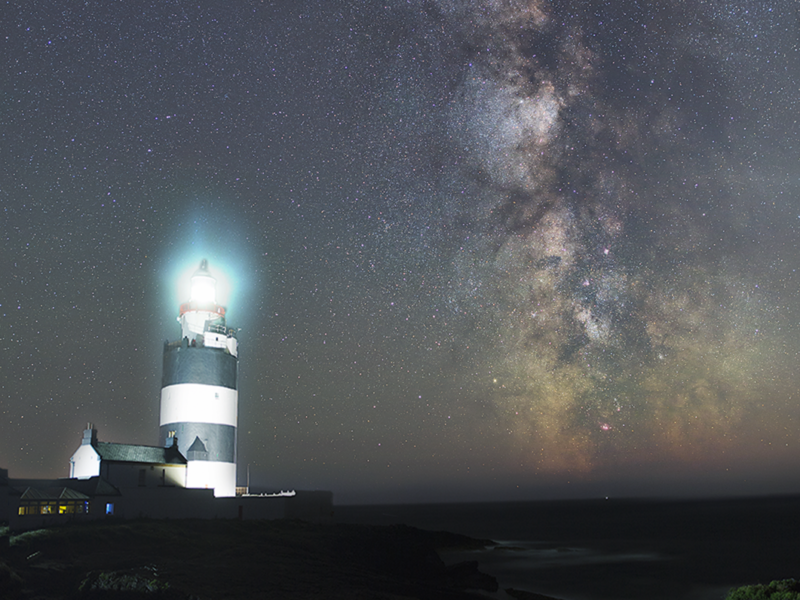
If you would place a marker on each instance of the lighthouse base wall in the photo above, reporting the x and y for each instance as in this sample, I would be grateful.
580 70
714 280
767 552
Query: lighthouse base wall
205 474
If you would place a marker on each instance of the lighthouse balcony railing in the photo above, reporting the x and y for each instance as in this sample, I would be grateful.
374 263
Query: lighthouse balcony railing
221 329
198 342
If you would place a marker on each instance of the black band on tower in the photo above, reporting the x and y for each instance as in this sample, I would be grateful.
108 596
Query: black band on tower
209 366
218 442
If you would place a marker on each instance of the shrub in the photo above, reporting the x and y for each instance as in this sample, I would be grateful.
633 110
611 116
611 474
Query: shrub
783 589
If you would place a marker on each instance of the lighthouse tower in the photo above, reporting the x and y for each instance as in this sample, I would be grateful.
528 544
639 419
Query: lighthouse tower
199 396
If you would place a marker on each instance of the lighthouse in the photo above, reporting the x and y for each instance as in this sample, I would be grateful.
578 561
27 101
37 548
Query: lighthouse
199 390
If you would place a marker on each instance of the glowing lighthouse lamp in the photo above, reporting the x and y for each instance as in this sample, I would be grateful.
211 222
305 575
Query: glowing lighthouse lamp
199 394
204 286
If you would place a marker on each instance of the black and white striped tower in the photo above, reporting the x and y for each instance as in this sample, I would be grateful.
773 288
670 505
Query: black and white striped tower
199 396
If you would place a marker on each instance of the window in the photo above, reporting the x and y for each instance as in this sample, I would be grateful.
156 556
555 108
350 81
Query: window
47 507
109 508
72 507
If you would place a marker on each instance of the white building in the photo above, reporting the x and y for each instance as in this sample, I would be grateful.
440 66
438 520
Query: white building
128 465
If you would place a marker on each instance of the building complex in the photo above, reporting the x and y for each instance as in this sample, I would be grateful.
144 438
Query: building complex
192 473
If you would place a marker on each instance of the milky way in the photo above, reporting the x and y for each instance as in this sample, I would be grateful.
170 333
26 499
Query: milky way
476 249
615 306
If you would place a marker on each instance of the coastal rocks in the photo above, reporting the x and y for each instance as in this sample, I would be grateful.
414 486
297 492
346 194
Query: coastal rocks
465 575
410 555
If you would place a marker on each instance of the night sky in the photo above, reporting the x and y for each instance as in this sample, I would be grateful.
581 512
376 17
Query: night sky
497 249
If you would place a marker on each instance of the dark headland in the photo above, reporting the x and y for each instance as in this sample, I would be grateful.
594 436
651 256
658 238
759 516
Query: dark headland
236 559
598 549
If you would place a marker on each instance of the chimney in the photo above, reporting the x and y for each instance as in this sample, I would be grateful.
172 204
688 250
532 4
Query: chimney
172 440
89 436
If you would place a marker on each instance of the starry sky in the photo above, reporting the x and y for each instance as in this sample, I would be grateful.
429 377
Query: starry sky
476 249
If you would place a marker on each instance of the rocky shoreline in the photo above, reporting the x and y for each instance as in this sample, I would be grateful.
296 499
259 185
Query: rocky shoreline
238 559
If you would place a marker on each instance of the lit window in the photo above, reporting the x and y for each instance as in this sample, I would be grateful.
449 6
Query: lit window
109 508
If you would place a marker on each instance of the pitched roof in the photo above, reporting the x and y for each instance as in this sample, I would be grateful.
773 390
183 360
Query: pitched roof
52 493
139 454
94 486
197 445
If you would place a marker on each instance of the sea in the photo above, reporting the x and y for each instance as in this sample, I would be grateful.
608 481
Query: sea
615 549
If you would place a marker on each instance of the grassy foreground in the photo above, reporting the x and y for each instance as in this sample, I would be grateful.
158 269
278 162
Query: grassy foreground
236 559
